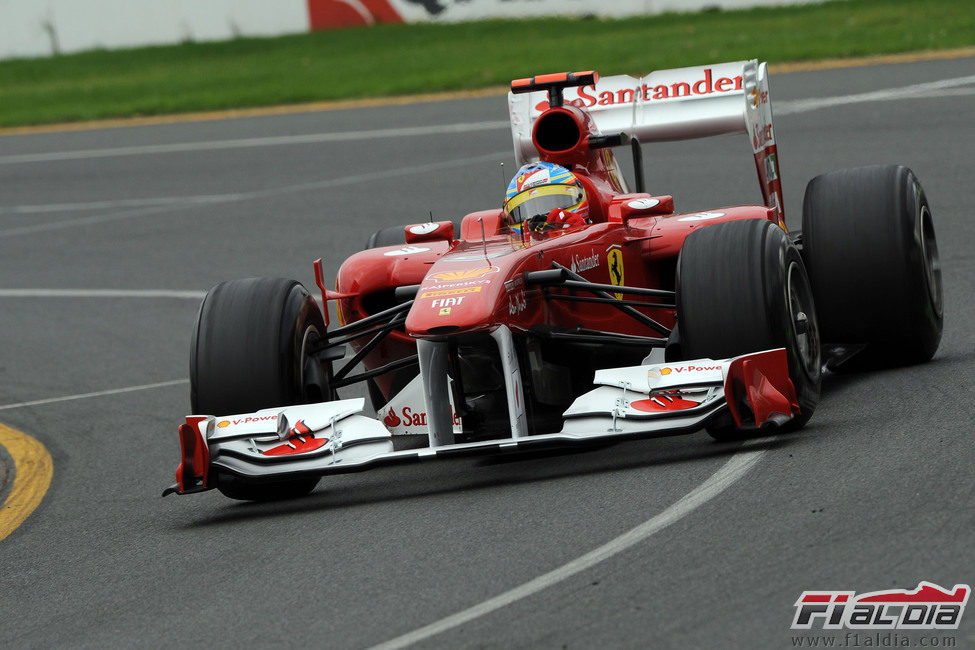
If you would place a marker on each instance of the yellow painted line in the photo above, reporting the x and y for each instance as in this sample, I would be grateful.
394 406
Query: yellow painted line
33 470
402 100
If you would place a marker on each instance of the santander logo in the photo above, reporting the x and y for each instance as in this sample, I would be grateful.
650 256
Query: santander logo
707 84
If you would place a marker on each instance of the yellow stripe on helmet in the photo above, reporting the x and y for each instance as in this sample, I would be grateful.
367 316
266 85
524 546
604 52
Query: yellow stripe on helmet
534 192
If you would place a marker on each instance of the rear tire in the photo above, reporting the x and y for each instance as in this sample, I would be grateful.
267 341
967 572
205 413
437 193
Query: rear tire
870 248
248 353
742 287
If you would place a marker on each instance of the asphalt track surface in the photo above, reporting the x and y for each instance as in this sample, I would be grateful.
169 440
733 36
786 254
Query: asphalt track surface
875 493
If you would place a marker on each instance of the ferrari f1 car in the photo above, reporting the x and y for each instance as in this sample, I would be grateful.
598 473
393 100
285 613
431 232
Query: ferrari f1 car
490 335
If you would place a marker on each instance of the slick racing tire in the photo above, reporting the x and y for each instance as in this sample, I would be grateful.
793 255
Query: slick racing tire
249 351
742 287
392 236
869 245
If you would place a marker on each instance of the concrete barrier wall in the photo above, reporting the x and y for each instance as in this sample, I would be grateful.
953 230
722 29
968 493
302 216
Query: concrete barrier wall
44 27
456 10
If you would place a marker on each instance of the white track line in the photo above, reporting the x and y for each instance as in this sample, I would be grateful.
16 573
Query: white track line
725 477
151 202
927 89
242 143
924 90
257 194
101 393
942 88
84 221
102 293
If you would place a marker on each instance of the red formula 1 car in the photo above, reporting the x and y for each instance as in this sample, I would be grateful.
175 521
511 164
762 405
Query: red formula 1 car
580 311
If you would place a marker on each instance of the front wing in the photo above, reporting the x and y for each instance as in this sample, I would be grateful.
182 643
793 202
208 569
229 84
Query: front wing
332 437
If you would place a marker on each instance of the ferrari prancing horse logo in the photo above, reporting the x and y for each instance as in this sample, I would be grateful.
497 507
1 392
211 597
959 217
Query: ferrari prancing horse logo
614 260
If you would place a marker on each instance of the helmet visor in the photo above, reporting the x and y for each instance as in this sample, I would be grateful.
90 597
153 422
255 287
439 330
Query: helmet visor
539 201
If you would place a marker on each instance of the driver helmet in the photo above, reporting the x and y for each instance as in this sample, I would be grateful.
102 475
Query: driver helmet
545 196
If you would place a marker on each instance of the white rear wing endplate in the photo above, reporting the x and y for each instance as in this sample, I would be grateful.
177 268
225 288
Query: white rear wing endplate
678 104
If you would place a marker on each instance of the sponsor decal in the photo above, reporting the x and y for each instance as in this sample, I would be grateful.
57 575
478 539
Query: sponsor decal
770 166
466 274
247 420
409 416
539 177
707 85
448 285
757 98
702 216
517 303
449 292
328 14
693 368
657 373
582 264
444 312
614 261
447 302
643 204
424 228
929 607
406 250
515 283
761 136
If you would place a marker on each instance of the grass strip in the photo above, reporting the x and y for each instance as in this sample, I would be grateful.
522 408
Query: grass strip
404 59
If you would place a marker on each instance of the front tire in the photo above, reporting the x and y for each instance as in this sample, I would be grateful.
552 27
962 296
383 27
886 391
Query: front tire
250 351
742 287
869 244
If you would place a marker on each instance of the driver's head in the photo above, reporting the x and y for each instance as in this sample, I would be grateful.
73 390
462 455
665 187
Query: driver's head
545 196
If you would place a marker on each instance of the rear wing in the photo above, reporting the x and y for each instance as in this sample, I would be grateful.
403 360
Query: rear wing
667 105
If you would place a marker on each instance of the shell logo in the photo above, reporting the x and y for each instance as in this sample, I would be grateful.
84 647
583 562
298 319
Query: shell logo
467 274
665 371
223 423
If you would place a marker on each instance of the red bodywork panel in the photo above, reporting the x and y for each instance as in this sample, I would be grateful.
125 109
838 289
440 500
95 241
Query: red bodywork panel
475 283
193 471
763 378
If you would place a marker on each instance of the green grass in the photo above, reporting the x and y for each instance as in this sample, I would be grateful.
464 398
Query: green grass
406 59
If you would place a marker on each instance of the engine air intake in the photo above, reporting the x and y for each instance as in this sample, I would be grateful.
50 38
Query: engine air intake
557 131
